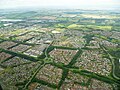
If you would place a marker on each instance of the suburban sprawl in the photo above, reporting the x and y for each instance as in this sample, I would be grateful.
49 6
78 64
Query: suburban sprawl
57 49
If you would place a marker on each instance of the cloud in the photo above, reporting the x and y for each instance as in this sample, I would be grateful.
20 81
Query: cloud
62 3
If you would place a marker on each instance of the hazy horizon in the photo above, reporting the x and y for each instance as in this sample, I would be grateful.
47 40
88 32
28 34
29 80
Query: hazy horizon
72 4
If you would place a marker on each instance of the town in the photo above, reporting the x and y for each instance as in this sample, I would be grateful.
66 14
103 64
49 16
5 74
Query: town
60 50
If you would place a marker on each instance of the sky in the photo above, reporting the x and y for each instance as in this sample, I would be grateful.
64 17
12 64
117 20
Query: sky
79 4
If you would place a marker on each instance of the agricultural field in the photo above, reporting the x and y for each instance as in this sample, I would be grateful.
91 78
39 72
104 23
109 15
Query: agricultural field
60 50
